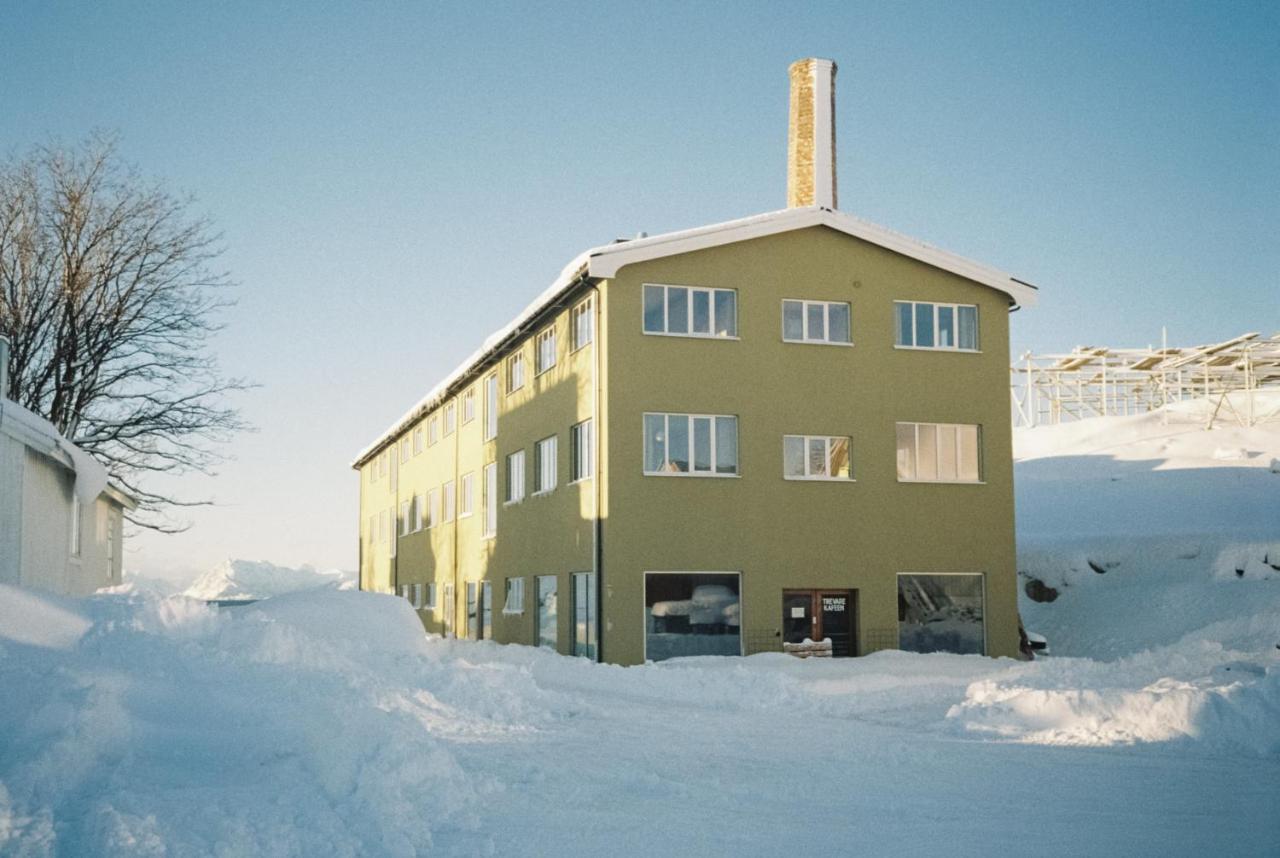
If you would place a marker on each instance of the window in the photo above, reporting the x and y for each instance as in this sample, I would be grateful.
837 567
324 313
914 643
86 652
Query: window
546 619
545 357
486 611
689 613
404 518
693 444
582 321
74 546
544 465
382 464
690 311
941 613
417 441
939 453
584 615
467 501
491 499
815 457
473 610
404 450
515 372
429 599
468 406
433 507
924 325
449 501
415 594
816 322
515 477
450 418
581 452
433 430
403 591
419 508
514 603
491 407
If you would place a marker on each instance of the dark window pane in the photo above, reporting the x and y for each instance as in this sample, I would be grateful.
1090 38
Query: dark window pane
792 320
726 445
940 613
969 327
655 436
946 327
653 305
817 457
902 312
701 312
817 314
726 313
677 310
924 325
688 615
584 615
677 443
702 444
838 317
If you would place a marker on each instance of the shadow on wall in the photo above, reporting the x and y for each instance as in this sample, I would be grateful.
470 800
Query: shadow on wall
1101 496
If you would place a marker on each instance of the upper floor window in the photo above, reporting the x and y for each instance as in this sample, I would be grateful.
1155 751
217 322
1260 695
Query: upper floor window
469 406
545 357
417 441
467 495
815 457
582 322
419 509
433 430
690 311
816 322
926 325
404 450
405 522
450 418
515 477
939 453
544 465
693 444
515 372
581 451
491 407
490 499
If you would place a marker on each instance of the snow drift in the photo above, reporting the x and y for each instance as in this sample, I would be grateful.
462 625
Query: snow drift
248 580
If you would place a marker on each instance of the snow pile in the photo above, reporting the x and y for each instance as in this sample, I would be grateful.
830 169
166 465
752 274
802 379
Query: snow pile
248 580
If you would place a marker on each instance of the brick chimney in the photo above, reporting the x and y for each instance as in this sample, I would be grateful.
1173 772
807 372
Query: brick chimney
811 134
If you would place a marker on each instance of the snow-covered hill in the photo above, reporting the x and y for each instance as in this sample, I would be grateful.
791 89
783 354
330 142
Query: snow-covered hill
247 580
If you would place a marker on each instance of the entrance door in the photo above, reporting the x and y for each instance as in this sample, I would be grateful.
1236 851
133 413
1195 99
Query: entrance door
818 614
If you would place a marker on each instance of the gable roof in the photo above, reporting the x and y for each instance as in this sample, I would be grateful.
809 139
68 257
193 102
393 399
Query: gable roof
605 261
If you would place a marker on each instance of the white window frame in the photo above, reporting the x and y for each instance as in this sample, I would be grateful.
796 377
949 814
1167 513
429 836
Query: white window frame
981 480
644 608
450 501
805 337
583 310
977 327
415 591
515 588
419 508
582 456
807 477
404 450
545 465
711 297
491 406
544 351
429 596
468 406
490 489
405 510
417 441
515 372
467 495
515 465
644 439
450 419
433 430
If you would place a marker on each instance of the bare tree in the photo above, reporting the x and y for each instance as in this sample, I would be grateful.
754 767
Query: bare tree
109 295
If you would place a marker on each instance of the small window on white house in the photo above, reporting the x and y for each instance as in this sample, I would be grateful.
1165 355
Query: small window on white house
544 465
690 444
515 372
816 322
514 603
467 495
690 311
450 418
75 524
491 407
939 453
491 499
927 325
583 322
581 451
417 441
815 457
419 509
469 406
404 518
515 477
433 507
449 501
545 357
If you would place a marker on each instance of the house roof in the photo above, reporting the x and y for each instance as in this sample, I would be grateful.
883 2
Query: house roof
606 260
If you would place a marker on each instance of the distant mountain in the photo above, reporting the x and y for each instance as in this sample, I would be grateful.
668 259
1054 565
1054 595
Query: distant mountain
256 579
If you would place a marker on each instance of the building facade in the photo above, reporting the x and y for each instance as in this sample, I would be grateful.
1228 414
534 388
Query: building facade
733 439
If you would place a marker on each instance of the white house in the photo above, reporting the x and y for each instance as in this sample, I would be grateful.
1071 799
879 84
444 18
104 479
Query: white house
60 517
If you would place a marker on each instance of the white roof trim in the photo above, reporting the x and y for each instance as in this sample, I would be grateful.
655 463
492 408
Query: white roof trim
606 260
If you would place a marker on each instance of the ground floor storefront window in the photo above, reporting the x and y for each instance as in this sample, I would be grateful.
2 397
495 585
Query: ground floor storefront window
585 624
941 613
692 613
547 611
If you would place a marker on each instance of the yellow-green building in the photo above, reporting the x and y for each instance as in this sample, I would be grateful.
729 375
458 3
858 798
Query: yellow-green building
738 438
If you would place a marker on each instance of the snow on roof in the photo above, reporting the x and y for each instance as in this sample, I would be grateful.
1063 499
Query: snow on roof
605 261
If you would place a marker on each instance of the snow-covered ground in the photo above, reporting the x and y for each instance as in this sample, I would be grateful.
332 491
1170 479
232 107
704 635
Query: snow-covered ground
323 722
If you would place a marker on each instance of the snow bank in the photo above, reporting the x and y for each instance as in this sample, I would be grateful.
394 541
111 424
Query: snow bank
249 580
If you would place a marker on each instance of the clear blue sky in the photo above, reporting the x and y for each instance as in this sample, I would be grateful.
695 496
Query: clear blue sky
396 180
